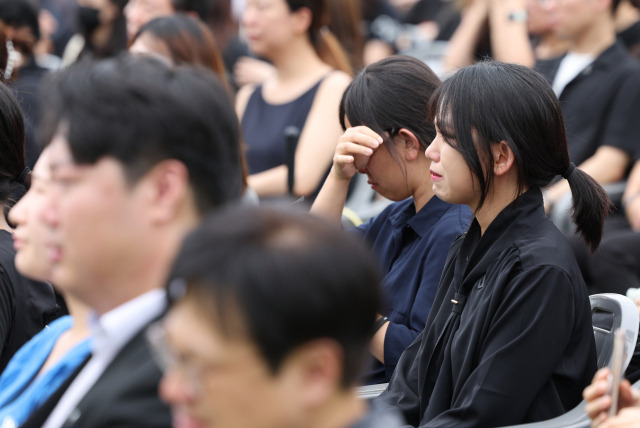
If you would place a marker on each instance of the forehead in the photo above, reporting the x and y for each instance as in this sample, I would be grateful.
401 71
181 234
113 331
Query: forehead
192 315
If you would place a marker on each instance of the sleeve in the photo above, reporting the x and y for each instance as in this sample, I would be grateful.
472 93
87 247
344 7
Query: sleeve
402 392
623 126
400 336
523 346
7 309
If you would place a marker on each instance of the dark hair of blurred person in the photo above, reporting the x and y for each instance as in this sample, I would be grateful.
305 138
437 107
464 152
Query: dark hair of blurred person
103 26
183 40
25 306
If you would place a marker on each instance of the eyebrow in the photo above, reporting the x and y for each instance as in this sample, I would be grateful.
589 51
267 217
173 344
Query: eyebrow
54 166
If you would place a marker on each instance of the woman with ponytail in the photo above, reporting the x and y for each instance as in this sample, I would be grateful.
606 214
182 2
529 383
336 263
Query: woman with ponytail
25 306
509 338
298 103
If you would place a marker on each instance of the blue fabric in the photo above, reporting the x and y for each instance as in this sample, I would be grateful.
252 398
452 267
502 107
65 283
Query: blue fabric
21 390
412 249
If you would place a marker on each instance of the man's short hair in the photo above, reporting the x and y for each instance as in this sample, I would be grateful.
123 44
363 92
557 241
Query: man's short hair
142 111
283 278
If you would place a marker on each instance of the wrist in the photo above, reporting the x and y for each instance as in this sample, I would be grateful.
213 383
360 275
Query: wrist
627 199
378 325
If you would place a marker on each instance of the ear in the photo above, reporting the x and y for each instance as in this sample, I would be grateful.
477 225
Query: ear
302 19
503 157
319 366
412 147
166 190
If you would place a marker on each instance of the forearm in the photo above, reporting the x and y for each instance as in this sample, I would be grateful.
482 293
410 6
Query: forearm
631 198
461 48
509 33
272 182
330 201
376 346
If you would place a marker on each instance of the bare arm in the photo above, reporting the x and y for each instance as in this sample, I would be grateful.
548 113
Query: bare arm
510 37
357 142
631 198
461 47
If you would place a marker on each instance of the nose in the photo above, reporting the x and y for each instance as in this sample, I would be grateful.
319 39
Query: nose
432 153
16 215
173 389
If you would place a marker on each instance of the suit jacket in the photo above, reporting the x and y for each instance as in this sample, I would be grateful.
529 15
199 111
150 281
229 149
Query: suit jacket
124 396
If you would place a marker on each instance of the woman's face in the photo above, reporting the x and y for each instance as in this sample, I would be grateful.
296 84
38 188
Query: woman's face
386 170
452 178
29 235
269 25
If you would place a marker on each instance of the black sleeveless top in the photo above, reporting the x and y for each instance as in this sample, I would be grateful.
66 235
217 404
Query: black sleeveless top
264 124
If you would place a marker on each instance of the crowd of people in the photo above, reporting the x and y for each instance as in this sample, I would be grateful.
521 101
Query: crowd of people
175 177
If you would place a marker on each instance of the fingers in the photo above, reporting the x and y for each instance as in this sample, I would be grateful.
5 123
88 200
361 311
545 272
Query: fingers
354 150
598 402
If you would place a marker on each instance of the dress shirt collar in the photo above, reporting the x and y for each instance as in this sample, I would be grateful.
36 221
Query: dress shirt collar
115 328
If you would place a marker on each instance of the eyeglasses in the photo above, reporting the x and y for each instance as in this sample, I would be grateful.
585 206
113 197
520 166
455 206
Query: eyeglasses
167 360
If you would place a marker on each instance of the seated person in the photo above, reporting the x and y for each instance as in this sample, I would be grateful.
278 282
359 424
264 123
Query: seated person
300 98
51 356
509 338
386 133
26 306
281 344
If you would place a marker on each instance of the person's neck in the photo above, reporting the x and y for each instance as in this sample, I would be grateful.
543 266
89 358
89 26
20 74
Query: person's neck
100 37
149 271
342 410
298 60
503 193
80 313
626 16
550 46
596 38
423 192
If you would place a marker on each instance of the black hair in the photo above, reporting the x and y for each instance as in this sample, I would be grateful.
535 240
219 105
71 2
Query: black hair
283 278
324 42
117 40
14 178
200 7
142 111
390 94
490 102
18 14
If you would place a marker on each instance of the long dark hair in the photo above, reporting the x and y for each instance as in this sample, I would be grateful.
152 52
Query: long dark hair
14 178
492 101
324 42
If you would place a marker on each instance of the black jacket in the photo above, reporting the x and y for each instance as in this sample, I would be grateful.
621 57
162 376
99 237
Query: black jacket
517 346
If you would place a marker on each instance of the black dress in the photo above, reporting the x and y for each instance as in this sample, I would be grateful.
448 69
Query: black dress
26 306
509 339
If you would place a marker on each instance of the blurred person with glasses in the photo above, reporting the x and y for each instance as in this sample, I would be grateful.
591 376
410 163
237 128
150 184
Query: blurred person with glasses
279 308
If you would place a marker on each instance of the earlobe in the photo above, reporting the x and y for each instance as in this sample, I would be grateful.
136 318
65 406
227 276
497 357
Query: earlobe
321 364
302 18
169 184
412 144
503 157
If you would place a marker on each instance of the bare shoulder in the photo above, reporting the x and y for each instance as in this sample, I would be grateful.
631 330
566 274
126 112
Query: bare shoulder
332 87
335 80
242 98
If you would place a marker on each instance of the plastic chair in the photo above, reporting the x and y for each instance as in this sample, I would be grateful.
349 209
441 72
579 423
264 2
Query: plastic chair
609 312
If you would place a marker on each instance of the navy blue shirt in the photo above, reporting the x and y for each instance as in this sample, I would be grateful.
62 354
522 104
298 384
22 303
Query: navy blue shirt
412 249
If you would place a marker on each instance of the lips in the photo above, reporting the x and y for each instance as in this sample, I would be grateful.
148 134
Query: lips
18 243
435 176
